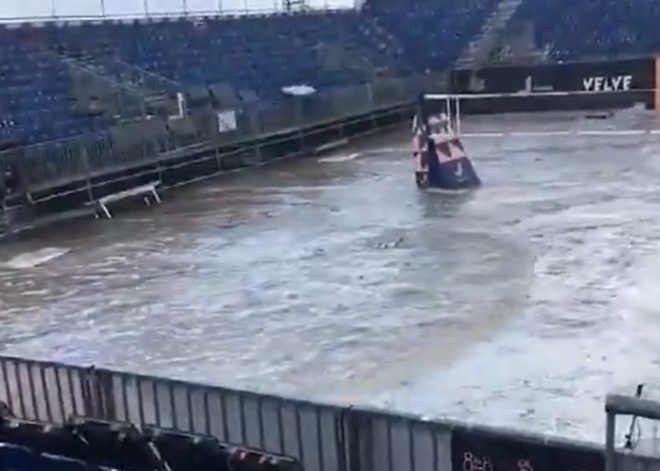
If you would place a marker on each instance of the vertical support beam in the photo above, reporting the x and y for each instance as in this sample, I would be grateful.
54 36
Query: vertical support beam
356 442
610 438
448 107
457 100
656 85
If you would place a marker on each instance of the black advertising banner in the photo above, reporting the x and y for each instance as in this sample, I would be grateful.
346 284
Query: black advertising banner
473 450
573 459
622 75
489 80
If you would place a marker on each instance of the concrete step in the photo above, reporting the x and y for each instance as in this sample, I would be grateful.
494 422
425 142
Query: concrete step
496 23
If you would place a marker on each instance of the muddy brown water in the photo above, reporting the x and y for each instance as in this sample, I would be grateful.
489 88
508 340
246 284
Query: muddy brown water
333 278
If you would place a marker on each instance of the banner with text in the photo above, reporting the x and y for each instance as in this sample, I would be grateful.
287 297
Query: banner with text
606 76
475 450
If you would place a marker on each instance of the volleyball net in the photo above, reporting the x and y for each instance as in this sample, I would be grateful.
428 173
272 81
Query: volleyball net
544 113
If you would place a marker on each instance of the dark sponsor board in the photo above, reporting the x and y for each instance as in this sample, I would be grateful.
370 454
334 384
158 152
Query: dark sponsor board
633 74
475 450
613 80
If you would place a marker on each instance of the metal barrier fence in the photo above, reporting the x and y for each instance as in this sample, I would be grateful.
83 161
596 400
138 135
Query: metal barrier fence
45 165
323 437
56 10
124 72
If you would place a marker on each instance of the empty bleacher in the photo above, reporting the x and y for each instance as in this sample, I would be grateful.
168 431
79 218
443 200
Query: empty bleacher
55 75
35 95
596 28
262 53
52 75
432 33
45 67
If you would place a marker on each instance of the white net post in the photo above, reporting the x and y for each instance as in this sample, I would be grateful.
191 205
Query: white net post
583 113
457 114
450 106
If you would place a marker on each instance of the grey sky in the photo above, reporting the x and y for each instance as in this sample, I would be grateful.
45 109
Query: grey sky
11 9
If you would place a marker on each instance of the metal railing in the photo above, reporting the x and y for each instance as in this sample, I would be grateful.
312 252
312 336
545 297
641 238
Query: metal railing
121 99
60 10
123 72
47 164
323 437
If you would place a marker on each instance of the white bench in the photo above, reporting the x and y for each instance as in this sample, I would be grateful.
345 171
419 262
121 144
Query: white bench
146 191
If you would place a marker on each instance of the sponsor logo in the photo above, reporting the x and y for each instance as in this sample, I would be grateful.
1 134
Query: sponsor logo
476 84
459 173
531 87
618 83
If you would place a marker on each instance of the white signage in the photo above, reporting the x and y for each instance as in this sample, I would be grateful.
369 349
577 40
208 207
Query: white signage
618 83
227 121
531 87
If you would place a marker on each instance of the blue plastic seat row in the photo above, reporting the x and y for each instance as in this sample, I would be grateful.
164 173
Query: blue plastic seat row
572 30
261 53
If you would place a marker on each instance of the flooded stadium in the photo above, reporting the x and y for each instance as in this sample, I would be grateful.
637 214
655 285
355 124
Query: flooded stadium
334 278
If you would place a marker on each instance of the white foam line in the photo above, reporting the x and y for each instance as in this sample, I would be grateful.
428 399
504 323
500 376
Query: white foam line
340 158
631 132
541 133
332 145
586 132
390 149
35 258
484 134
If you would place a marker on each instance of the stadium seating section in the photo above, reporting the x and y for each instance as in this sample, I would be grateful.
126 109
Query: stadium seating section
432 33
594 28
262 54
35 104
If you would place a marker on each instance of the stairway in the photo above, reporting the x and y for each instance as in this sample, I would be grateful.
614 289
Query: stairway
158 93
387 44
478 50
339 57
295 5
4 221
96 93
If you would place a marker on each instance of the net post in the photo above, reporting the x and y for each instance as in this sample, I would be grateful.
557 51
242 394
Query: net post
458 114
448 107
656 90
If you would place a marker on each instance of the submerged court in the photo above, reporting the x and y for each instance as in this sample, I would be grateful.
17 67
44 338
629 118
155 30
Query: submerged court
336 279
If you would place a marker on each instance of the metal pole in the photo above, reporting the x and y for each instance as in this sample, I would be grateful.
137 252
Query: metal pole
145 3
103 8
53 10
185 7
610 436
458 116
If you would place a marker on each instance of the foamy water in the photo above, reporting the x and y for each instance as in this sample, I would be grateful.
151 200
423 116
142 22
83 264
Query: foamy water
35 258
